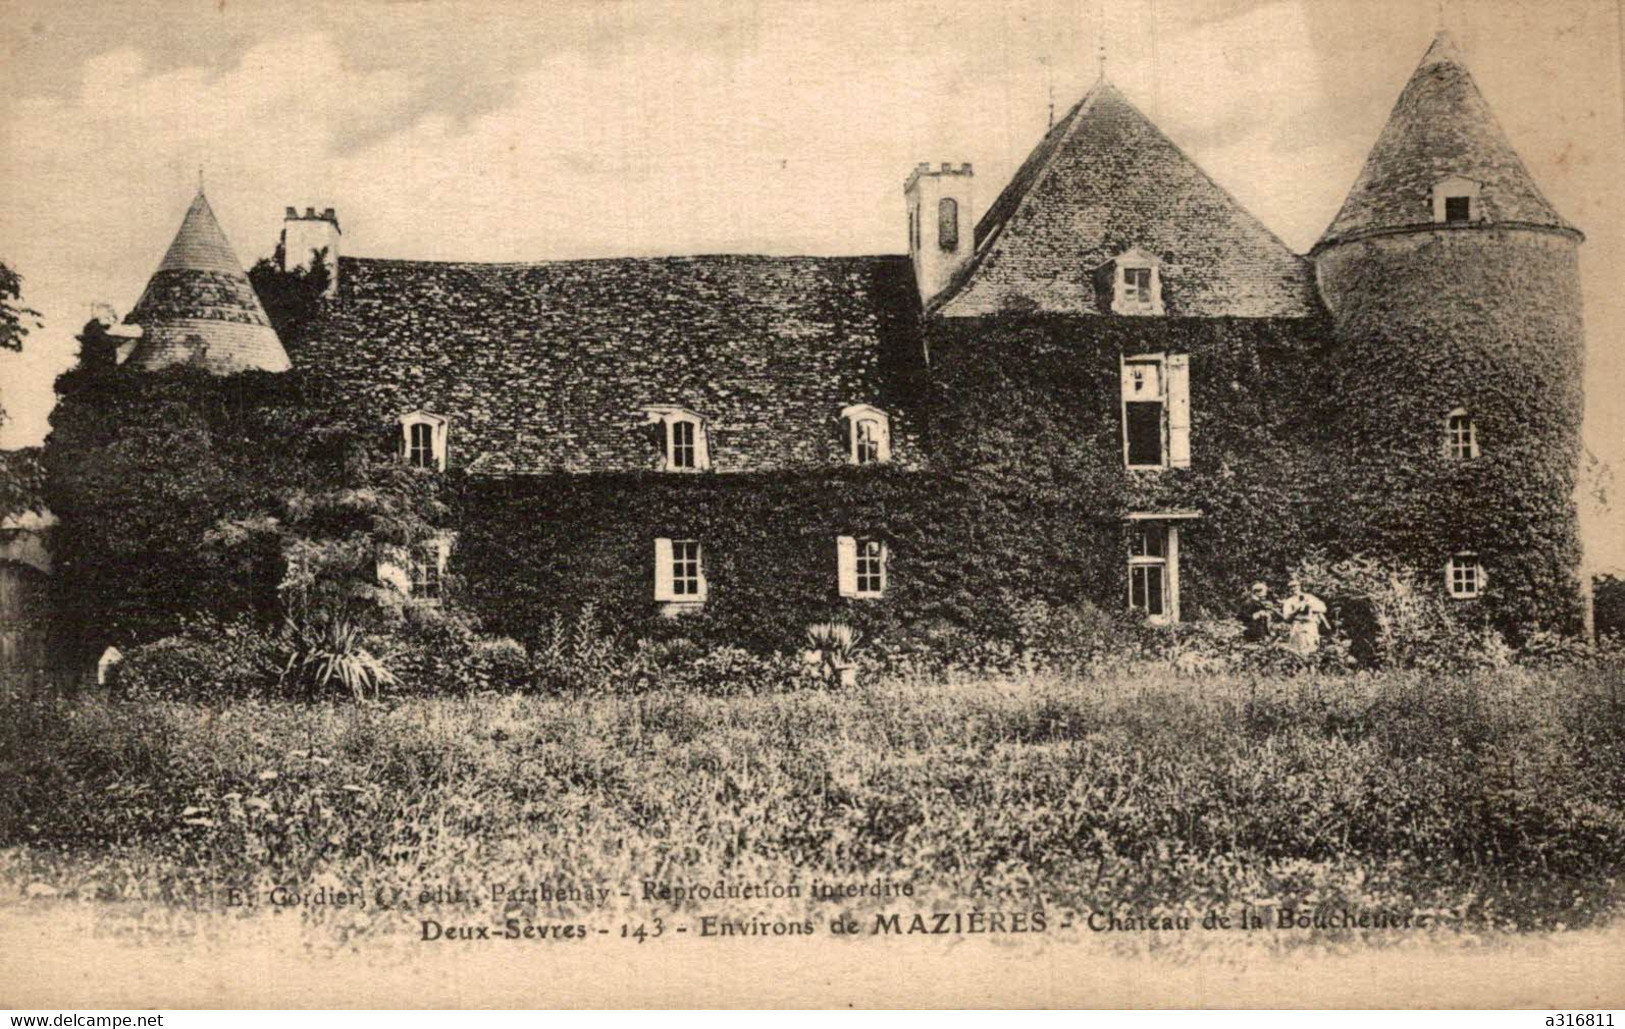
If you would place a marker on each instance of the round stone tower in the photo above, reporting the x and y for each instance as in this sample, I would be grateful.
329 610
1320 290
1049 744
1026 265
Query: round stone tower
1454 289
199 308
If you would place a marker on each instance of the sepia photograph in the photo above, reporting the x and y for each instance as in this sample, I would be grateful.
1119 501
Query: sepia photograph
513 504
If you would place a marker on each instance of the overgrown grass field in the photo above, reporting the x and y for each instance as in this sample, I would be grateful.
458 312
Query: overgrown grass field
1492 802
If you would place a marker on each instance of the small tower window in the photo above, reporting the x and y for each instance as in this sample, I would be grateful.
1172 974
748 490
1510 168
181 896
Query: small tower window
1460 436
1456 201
1464 576
948 223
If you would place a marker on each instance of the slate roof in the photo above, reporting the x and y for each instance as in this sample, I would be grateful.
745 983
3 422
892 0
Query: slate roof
1105 180
198 307
1441 126
551 367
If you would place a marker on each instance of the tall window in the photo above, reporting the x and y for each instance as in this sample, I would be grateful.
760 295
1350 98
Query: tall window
861 566
871 568
948 223
1460 435
683 454
1156 411
685 568
868 434
679 572
420 445
1464 576
1458 210
1142 413
867 443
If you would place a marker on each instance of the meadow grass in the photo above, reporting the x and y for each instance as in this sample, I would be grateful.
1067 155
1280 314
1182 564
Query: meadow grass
1490 803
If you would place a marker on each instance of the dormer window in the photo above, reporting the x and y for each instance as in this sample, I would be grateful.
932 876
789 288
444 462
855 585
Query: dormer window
423 440
1136 283
684 443
1456 201
868 434
1460 435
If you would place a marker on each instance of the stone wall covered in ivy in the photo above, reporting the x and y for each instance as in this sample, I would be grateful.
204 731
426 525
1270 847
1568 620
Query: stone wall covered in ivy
1481 320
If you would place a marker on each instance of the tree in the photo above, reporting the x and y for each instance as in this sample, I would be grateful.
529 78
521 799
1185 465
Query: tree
291 298
16 321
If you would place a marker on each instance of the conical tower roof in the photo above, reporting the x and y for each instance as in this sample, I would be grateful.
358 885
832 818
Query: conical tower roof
199 308
1440 128
1102 182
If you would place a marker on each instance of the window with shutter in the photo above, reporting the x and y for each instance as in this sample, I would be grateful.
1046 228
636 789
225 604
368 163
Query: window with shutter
860 566
679 574
1143 412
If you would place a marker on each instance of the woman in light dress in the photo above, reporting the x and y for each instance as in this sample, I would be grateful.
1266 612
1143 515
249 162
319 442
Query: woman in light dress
1305 615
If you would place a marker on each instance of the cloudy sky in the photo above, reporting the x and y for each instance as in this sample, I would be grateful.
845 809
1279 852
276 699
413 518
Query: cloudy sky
527 130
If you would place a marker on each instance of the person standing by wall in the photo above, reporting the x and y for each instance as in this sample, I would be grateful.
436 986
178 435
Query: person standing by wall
1305 615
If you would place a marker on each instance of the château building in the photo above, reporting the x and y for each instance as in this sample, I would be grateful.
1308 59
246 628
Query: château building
1104 381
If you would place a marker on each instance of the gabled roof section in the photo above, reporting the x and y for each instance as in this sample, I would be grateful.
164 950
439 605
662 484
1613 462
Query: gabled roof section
199 308
1440 128
1105 181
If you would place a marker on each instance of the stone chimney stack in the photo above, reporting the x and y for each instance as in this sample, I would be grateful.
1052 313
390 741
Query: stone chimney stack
304 235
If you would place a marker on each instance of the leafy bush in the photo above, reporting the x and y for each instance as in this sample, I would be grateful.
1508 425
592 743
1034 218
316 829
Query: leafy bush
1390 620
328 652
209 659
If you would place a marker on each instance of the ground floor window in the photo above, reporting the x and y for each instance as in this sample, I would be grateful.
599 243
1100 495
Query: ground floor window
1464 576
1153 570
861 566
679 571
426 570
